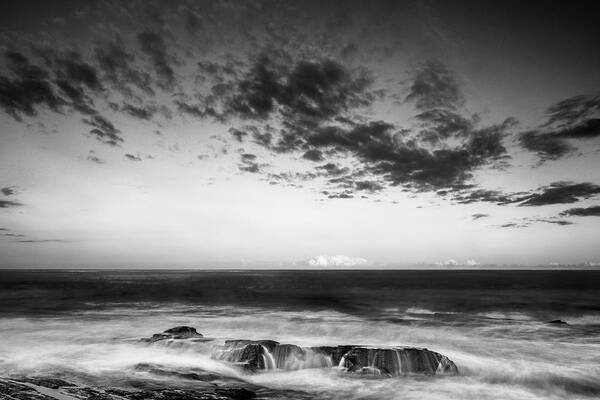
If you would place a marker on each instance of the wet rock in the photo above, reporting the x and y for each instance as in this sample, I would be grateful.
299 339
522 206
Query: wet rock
10 389
236 393
396 361
393 361
256 355
334 352
178 332
196 375
52 383
557 322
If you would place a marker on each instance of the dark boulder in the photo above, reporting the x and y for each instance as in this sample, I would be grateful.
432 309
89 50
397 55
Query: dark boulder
267 354
396 361
557 322
179 332
236 393
256 355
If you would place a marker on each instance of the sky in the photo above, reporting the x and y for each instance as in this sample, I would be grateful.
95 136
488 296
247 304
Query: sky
298 133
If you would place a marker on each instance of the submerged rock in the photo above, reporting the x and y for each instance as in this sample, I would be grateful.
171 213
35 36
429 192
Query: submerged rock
24 389
178 332
396 361
267 354
557 322
256 355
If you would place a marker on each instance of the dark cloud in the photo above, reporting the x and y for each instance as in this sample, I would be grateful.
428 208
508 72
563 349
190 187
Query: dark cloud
482 195
573 110
77 72
582 212
248 163
104 130
238 134
306 92
440 124
561 193
546 146
369 186
141 112
133 157
313 155
118 68
434 87
477 216
28 89
95 159
576 118
153 45
332 169
13 235
197 110
9 203
9 190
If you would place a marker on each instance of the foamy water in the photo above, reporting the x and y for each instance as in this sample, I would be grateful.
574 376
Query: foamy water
501 353
524 359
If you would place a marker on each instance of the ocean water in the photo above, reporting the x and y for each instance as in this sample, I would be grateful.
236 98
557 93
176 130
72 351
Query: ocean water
85 326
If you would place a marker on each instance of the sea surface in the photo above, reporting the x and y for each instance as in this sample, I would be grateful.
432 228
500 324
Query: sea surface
85 326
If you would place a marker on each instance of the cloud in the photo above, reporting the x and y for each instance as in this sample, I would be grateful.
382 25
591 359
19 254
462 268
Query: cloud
336 261
29 88
117 67
104 130
454 263
433 87
561 193
249 163
582 212
313 155
141 112
9 190
13 235
546 146
574 118
304 93
75 71
131 157
153 45
9 203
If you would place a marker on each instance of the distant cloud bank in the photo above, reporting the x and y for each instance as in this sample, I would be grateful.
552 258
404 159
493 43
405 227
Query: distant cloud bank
336 261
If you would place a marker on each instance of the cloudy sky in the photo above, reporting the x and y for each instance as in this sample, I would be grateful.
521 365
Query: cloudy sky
257 133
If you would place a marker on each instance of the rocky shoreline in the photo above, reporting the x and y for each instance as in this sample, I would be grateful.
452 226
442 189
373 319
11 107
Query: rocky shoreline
250 356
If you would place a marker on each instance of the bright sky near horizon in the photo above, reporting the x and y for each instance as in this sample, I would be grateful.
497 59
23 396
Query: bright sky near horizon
233 133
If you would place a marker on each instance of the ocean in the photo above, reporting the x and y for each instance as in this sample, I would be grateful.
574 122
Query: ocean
85 326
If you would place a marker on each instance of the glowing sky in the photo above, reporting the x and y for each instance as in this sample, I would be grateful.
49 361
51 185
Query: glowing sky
264 133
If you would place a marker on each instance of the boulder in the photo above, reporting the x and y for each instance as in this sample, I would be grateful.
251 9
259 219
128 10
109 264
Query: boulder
267 354
178 332
557 322
256 355
396 361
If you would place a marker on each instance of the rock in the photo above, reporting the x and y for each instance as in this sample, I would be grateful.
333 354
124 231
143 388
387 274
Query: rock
334 352
196 375
236 393
178 332
52 383
11 389
256 355
557 322
396 361
23 389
